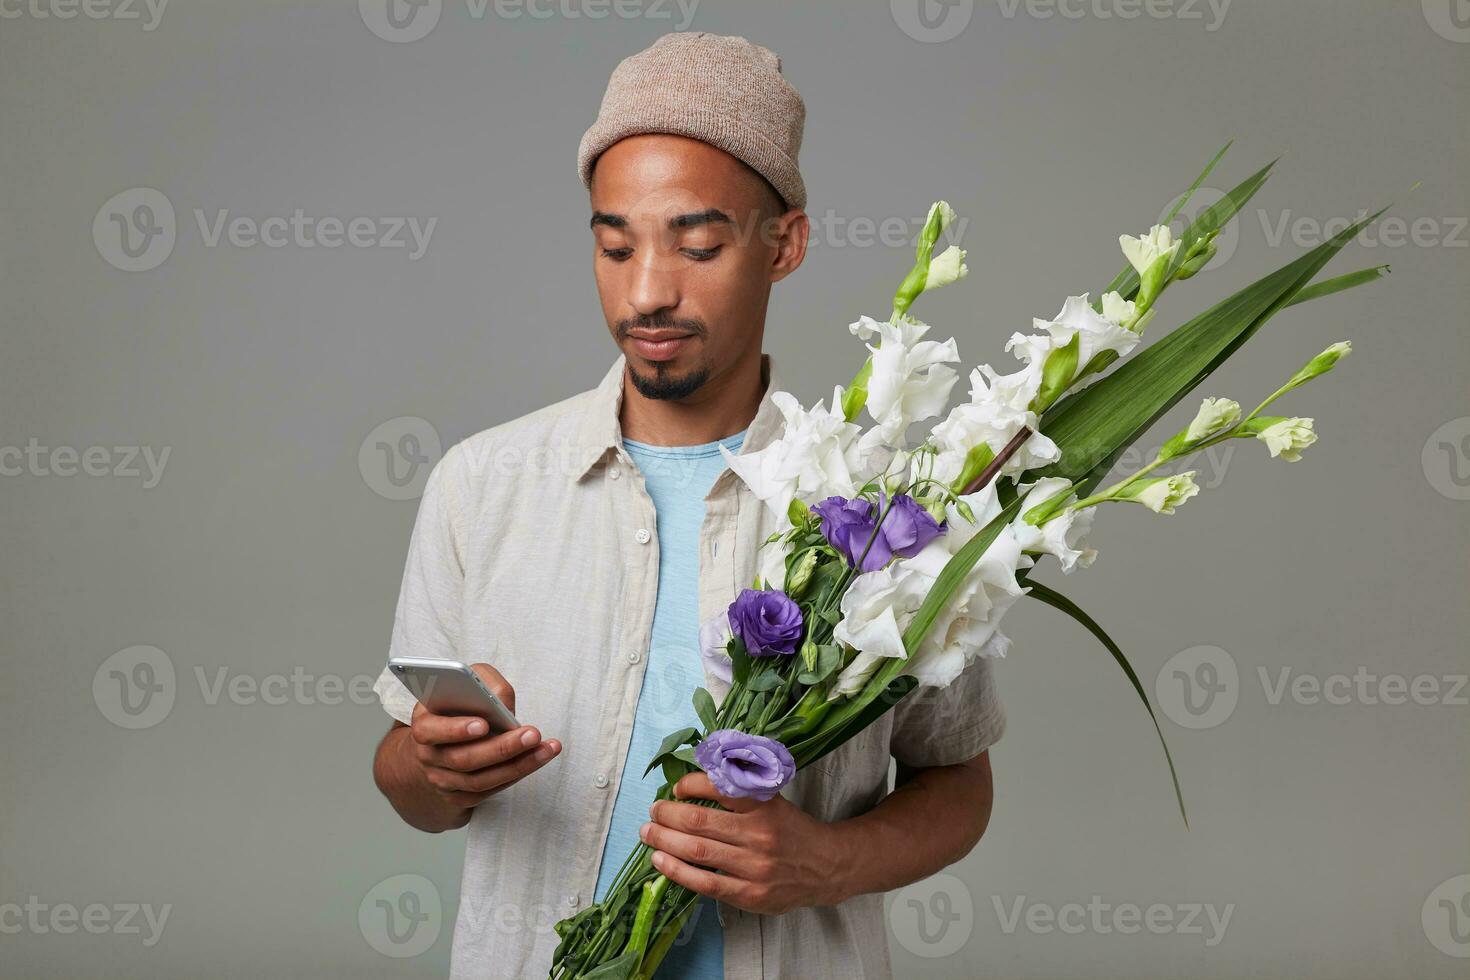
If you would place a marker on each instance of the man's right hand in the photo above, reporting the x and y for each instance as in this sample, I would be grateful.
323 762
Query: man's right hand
455 762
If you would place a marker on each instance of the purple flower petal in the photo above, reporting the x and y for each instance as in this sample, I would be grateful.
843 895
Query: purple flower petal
743 765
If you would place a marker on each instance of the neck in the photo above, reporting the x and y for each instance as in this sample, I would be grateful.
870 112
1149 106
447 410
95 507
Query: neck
723 406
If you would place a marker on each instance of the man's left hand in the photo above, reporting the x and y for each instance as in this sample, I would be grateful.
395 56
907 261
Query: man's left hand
765 857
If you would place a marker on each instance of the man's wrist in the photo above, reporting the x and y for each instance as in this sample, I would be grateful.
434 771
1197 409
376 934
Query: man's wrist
846 840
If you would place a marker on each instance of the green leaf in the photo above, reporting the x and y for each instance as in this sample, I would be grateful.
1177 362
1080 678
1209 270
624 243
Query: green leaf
621 968
739 661
1060 602
678 764
672 741
1337 285
767 680
704 708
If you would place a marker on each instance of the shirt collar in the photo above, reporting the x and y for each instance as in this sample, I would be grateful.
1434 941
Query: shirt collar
598 430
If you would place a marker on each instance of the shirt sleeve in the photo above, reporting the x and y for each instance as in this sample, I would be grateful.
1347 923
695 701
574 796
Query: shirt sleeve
427 620
942 726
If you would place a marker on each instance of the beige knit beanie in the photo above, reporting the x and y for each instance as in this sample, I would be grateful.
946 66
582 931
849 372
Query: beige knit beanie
724 91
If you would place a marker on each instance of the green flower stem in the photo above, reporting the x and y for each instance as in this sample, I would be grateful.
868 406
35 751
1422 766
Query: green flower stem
1116 488
653 893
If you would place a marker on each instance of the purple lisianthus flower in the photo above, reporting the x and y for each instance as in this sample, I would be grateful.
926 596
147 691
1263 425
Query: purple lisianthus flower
848 524
741 764
767 622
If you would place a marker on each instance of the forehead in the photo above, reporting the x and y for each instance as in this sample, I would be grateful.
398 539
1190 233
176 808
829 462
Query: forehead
652 174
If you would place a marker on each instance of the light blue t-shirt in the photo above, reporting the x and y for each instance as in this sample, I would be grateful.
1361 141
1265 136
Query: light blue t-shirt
677 479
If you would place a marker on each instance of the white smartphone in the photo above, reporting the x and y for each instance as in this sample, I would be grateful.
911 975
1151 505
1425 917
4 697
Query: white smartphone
448 687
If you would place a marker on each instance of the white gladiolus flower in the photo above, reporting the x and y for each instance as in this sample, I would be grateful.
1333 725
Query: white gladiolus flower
875 609
1215 415
966 627
1143 252
998 408
945 268
1288 438
911 378
817 456
1062 535
1165 493
1096 334
1117 309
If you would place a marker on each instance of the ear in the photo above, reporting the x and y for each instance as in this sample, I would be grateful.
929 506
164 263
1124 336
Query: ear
789 234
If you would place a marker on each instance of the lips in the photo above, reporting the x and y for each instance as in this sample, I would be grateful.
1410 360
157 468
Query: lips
659 345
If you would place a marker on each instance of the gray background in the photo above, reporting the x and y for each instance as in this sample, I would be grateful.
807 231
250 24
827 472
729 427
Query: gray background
268 547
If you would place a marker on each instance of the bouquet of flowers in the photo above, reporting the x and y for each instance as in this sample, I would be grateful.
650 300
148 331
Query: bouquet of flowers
899 561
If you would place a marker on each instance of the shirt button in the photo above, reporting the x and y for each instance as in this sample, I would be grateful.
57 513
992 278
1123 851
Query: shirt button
614 473
601 780
574 900
642 535
634 656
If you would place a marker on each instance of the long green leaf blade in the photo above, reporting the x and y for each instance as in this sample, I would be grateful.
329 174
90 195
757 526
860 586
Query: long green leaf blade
1060 602
1329 286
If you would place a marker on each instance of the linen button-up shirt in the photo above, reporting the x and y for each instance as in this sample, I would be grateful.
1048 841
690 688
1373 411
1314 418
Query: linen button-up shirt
534 551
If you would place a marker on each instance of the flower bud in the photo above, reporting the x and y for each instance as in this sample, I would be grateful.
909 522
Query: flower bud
801 575
1198 256
1322 363
1288 437
1215 415
1162 494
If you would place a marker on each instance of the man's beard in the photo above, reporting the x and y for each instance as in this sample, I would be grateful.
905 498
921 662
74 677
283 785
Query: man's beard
664 384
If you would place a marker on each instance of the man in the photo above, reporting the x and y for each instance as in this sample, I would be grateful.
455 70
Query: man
572 554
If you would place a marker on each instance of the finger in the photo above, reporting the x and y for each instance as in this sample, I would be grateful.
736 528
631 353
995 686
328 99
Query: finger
470 756
701 851
701 821
496 682
697 786
428 728
492 778
723 888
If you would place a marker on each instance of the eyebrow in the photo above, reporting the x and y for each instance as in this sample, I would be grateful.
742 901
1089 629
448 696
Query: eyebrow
709 216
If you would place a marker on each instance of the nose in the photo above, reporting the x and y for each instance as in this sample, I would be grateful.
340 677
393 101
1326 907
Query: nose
655 286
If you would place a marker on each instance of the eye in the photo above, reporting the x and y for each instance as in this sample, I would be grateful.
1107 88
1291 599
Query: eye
617 254
702 254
